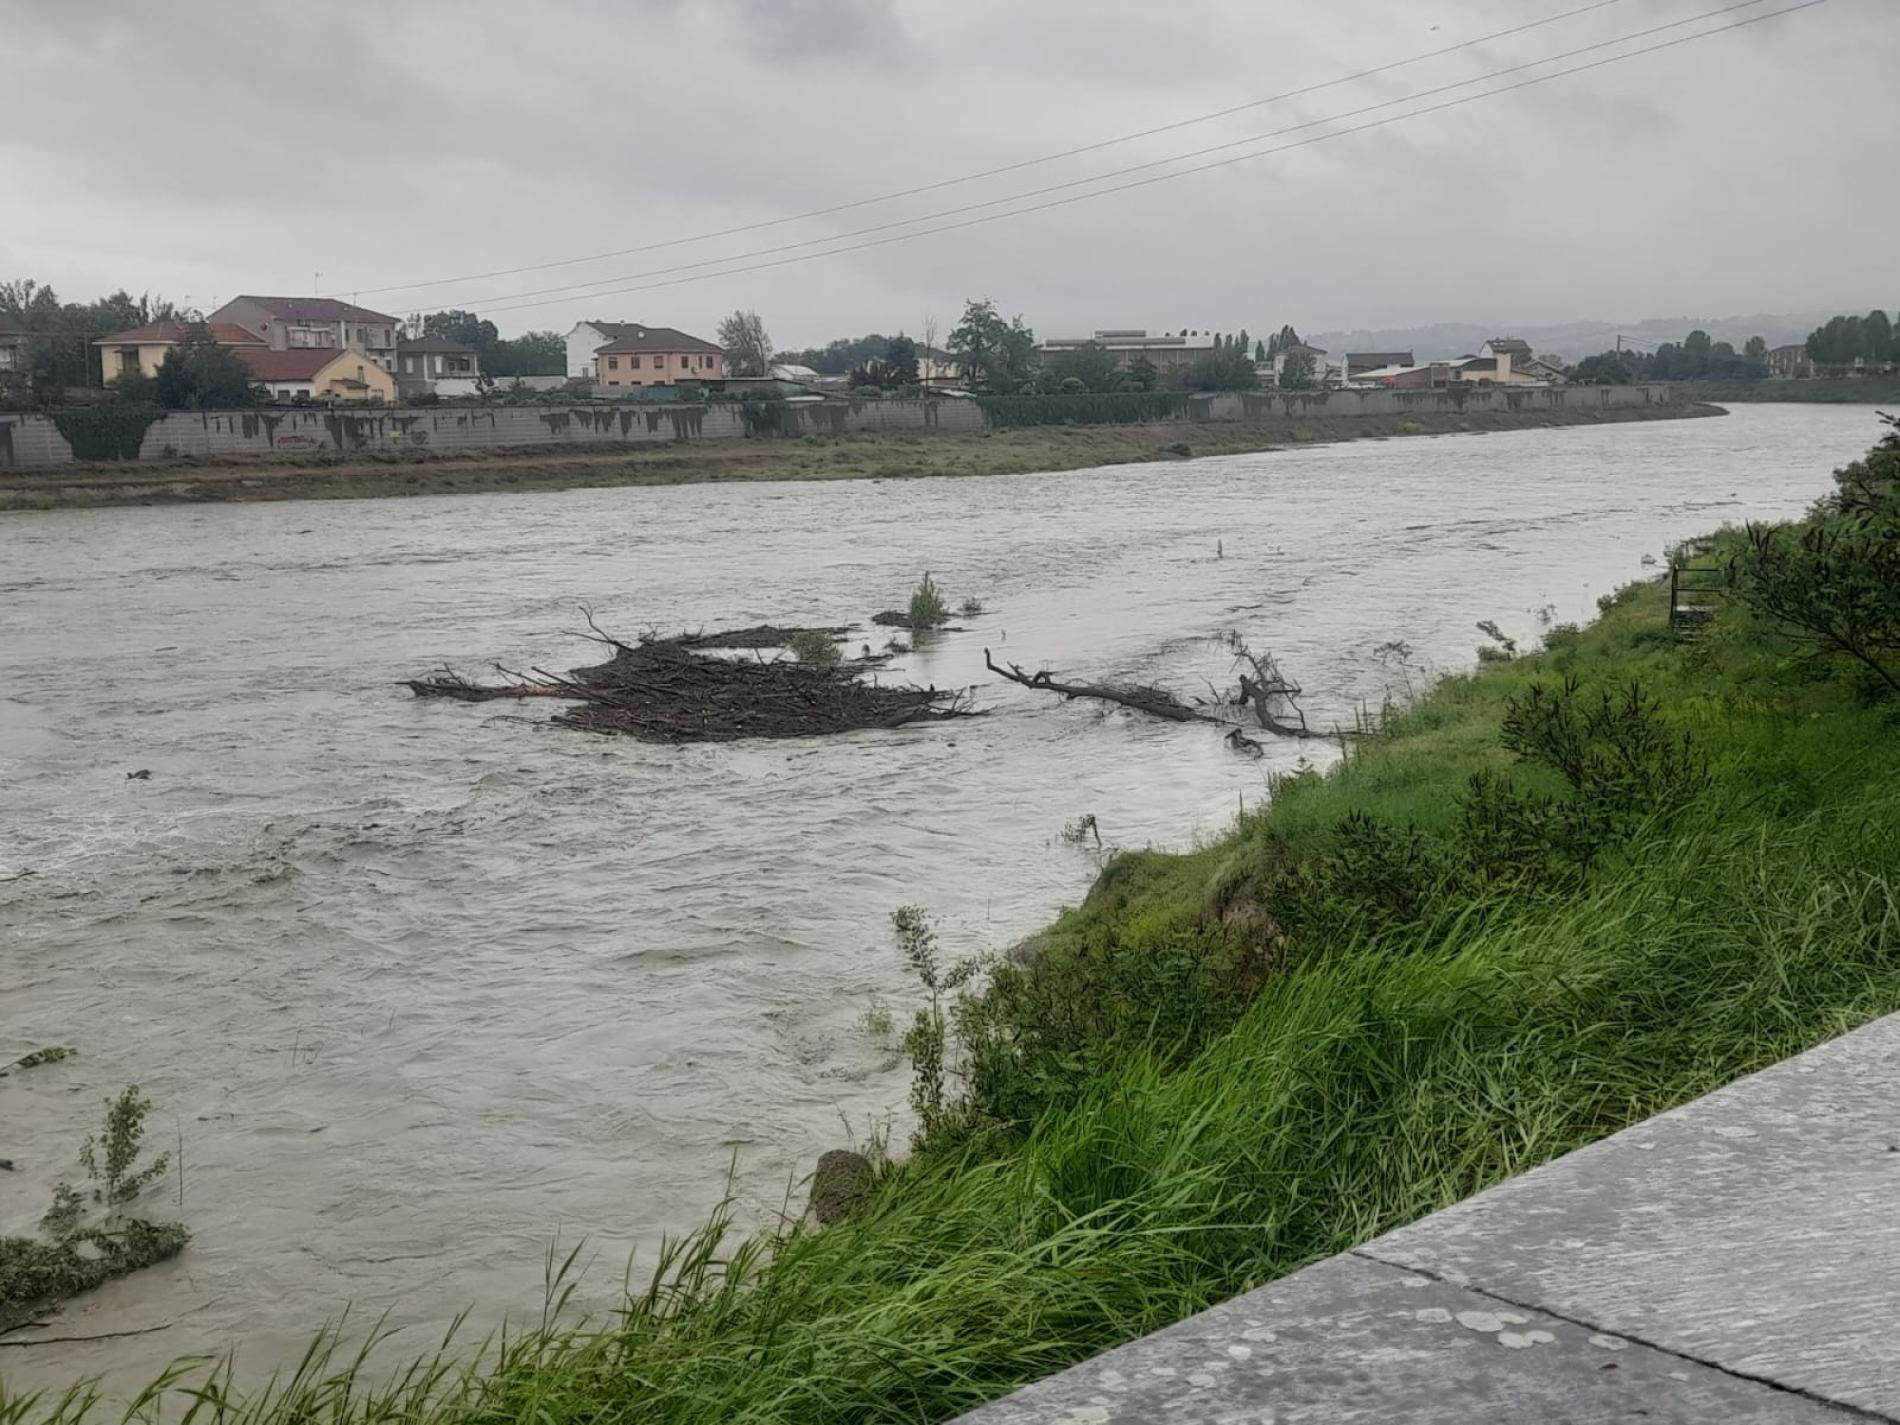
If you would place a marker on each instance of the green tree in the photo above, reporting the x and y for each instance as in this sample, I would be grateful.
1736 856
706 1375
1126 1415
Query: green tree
1223 369
534 353
839 356
1296 372
1876 336
747 346
1090 363
1260 351
1282 339
199 374
1241 341
900 364
993 354
1141 375
1755 349
1695 353
465 327
1609 369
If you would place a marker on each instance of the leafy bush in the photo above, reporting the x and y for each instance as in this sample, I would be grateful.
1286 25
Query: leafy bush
1833 582
927 606
808 645
113 432
75 1255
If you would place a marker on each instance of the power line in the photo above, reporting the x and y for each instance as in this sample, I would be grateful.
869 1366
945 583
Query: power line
1004 168
1201 168
581 288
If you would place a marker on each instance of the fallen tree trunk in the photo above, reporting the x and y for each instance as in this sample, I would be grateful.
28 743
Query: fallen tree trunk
1156 702
1268 693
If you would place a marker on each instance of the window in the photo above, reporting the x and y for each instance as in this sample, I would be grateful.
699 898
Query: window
633 363
613 383
613 364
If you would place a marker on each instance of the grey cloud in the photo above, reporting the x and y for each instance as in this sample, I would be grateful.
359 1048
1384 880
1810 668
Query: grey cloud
437 139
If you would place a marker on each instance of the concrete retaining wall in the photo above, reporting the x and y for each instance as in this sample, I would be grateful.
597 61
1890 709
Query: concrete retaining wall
31 441
1279 405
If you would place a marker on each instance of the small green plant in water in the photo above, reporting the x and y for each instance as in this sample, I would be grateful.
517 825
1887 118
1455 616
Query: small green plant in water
970 608
927 606
810 646
75 1254
119 1178
52 1054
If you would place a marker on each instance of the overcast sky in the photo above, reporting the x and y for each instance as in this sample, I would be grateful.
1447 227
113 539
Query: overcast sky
201 149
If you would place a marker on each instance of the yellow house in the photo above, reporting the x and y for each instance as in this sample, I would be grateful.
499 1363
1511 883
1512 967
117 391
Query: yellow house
329 375
142 350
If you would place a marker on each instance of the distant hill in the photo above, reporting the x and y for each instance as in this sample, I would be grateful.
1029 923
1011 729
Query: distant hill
1571 341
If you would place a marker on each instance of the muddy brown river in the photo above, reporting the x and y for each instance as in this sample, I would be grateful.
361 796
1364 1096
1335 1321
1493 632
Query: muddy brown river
421 987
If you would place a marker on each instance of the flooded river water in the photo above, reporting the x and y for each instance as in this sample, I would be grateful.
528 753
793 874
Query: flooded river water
419 986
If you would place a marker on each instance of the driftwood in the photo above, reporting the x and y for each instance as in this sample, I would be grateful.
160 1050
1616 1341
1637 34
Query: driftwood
668 690
1156 702
1273 697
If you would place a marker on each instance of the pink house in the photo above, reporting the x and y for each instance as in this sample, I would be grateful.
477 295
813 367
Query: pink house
656 356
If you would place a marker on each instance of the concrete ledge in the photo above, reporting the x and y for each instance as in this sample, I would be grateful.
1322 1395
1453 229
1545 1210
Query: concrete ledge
1736 1259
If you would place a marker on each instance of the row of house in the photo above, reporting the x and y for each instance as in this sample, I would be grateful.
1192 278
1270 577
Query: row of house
325 348
1503 361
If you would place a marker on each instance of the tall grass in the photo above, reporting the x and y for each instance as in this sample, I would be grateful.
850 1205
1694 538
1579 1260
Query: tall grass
1376 1074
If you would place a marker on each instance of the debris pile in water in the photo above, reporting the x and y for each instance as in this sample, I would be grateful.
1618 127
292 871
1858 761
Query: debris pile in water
671 690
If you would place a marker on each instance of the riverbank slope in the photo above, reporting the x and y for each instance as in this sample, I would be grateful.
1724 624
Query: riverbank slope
852 457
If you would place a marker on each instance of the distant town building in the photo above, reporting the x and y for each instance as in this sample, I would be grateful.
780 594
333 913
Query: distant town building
426 360
1275 366
1507 357
633 354
1165 352
314 323
1360 362
937 368
1791 360
657 356
11 340
142 350
320 373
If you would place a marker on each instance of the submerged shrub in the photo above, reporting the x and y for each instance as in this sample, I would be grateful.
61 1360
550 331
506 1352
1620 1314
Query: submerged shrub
75 1255
927 606
808 645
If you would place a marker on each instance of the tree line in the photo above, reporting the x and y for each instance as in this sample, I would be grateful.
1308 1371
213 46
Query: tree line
1839 344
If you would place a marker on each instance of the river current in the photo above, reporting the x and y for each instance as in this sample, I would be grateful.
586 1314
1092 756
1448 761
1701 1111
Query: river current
417 987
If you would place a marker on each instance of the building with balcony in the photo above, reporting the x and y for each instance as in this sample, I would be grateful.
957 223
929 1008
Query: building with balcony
315 324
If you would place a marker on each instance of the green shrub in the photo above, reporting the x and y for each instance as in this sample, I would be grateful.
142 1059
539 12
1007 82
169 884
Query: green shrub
113 432
808 645
75 1254
927 606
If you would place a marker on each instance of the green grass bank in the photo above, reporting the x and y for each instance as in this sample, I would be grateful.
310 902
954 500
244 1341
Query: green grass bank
894 456
1545 901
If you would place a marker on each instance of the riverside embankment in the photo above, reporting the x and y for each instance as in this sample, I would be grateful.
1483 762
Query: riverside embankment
422 987
579 461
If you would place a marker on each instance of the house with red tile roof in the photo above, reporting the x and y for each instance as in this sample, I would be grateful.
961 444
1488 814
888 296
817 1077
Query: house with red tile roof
320 373
315 324
141 350
633 354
